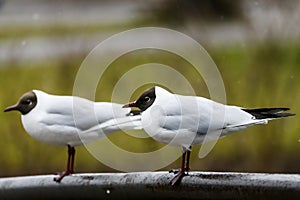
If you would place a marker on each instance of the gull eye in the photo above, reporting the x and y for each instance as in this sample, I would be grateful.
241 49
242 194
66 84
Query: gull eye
28 102
147 99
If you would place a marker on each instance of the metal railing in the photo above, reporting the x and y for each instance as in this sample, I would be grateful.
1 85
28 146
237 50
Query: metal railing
153 185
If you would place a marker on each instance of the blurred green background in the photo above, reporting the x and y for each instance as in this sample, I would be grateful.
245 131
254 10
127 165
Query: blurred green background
255 45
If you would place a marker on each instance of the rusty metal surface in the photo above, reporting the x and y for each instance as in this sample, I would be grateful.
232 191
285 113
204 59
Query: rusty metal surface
153 185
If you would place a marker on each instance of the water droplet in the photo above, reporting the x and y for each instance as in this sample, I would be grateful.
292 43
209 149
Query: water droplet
36 16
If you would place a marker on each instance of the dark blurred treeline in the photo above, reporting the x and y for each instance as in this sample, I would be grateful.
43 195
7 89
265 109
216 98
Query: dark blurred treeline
175 11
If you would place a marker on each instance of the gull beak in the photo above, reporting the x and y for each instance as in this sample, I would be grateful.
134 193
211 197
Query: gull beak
129 105
10 108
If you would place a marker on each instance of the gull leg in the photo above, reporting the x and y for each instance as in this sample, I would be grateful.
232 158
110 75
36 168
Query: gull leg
71 169
181 173
188 155
70 165
185 167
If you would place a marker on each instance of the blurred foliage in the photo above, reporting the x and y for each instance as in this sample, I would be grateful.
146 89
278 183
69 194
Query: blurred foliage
255 75
52 30
181 11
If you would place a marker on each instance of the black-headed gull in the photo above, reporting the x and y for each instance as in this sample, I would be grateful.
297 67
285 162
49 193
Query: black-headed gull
185 120
70 121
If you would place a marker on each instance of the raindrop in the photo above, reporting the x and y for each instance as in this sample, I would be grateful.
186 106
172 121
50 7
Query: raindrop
36 16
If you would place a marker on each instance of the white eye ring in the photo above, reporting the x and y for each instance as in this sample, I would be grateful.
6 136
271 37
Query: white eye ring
29 102
147 99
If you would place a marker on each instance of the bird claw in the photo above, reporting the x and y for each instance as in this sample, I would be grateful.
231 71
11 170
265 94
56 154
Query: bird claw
60 176
177 179
174 171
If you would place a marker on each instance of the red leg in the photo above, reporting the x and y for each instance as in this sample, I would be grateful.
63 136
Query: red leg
72 152
70 165
185 167
176 180
187 164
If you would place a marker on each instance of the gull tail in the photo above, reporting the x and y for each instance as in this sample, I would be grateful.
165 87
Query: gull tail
112 125
268 113
124 123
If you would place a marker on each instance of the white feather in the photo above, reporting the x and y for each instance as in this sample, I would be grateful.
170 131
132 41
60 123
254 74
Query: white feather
63 120
185 120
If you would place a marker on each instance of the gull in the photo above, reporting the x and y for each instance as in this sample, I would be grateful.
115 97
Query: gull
71 121
186 120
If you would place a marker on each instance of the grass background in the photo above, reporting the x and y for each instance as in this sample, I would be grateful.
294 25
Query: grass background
264 74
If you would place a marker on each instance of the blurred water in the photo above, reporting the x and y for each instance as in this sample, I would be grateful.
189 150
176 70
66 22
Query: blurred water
36 12
264 20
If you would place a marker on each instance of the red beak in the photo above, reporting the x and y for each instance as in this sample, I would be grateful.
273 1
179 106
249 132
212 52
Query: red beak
10 108
129 105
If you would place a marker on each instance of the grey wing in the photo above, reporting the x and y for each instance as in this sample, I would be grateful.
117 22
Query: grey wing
193 123
113 117
71 112
202 115
88 116
196 114
100 116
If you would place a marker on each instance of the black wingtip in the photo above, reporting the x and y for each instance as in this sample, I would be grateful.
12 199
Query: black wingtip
263 113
